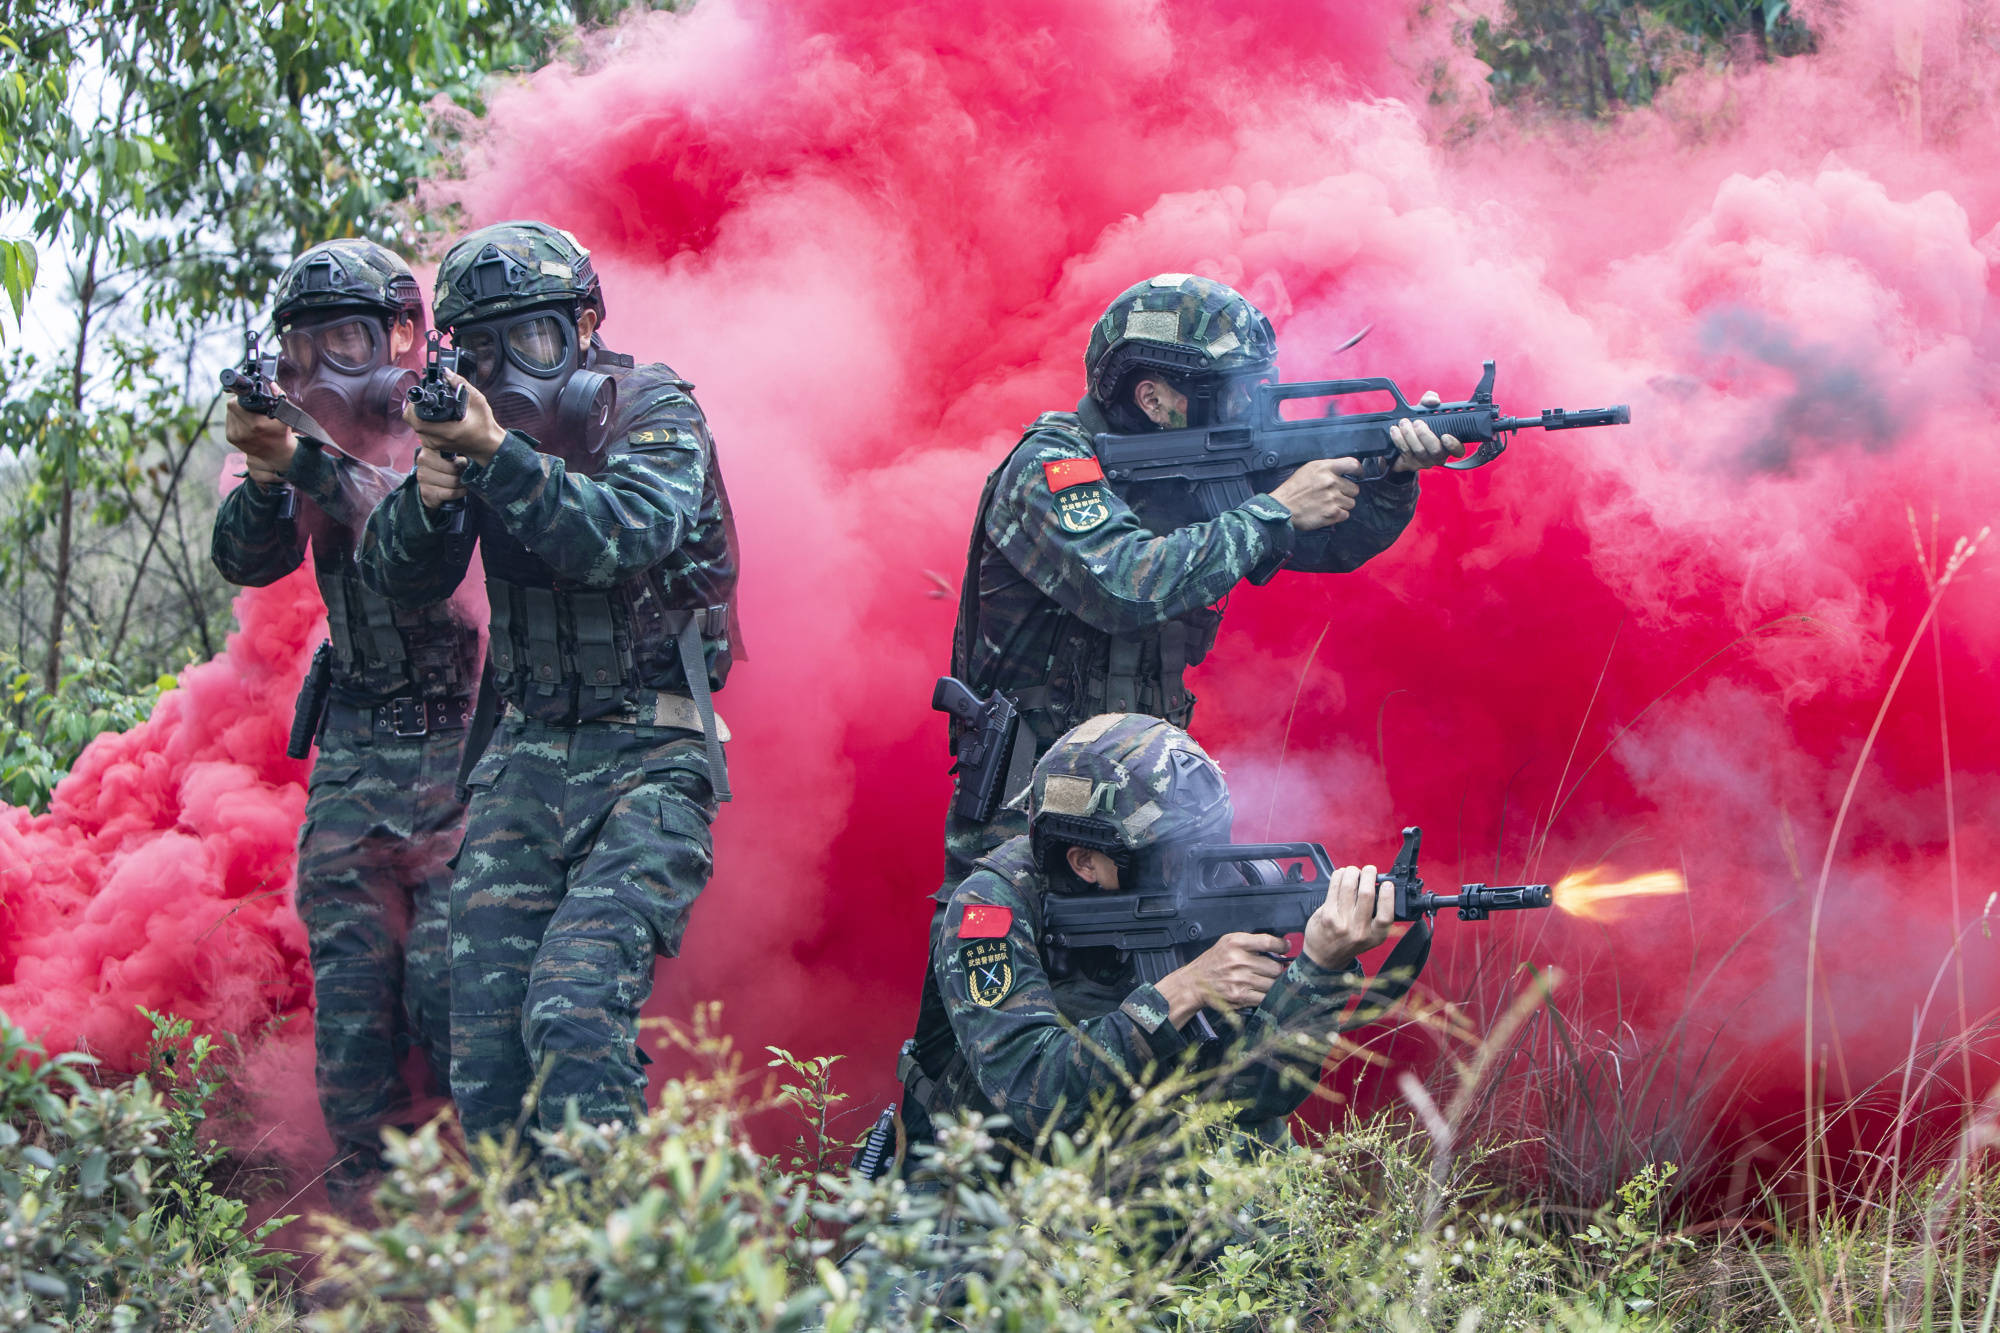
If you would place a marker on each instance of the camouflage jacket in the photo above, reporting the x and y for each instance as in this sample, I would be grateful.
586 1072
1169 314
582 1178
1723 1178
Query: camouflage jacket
651 524
1062 566
1044 1031
381 652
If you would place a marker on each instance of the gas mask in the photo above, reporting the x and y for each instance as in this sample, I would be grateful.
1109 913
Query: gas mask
336 366
530 367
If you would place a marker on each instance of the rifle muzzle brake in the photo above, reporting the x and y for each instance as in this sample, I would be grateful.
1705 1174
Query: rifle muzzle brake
1475 902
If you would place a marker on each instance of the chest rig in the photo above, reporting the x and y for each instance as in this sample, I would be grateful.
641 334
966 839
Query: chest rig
381 652
1089 671
574 655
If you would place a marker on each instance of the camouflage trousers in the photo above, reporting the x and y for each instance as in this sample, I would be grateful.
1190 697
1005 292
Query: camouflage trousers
585 849
374 880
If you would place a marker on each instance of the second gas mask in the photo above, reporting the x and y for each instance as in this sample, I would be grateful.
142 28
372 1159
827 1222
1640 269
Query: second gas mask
530 368
336 366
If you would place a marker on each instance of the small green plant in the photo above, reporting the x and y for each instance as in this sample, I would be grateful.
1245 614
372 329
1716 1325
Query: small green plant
108 1217
1629 1242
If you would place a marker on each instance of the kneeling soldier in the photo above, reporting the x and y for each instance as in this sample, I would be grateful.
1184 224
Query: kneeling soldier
1040 1033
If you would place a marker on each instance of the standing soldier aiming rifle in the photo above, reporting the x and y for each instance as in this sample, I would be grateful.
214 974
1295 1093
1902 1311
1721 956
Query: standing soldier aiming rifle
388 695
1079 599
590 486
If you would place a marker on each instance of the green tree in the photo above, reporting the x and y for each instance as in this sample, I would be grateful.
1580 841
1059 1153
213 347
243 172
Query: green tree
176 154
1590 57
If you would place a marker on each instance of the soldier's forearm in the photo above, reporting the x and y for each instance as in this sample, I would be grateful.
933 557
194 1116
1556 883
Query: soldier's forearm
253 544
596 531
409 554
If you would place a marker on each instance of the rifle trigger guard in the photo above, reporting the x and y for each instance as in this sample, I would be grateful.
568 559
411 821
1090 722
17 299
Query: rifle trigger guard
1481 456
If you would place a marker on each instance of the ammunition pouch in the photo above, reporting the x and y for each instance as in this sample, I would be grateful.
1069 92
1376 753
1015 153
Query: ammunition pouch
380 649
566 656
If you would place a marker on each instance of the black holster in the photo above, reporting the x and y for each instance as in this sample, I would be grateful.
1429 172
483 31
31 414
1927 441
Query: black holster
312 703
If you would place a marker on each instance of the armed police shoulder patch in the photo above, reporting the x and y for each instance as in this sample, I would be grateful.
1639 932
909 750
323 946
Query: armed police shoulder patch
989 971
1082 509
650 437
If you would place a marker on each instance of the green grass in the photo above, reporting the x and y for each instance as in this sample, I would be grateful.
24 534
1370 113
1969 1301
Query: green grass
1418 1218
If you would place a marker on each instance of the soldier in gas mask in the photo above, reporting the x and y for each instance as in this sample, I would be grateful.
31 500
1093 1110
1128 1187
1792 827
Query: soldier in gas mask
388 698
590 486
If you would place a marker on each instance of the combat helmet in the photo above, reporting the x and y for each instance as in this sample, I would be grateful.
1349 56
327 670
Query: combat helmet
513 265
1183 328
1124 784
345 273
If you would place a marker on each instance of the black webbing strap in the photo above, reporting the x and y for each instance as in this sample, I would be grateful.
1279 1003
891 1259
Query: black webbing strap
1392 980
1121 675
339 628
478 732
597 660
500 625
694 665
1173 669
544 636
385 640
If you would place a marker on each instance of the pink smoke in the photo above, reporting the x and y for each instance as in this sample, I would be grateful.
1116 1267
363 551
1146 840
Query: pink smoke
874 240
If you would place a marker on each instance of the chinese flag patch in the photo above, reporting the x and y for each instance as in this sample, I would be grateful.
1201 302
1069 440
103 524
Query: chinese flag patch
1064 473
982 922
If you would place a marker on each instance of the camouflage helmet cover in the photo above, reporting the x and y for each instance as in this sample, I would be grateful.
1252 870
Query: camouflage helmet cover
1182 326
348 272
1123 783
511 266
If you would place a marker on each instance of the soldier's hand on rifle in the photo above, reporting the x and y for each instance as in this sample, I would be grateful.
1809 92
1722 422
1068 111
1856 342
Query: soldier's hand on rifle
438 477
476 436
1320 493
1353 919
265 442
1421 446
1236 973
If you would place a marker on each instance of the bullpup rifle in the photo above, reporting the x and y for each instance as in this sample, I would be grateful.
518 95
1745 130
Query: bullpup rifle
1222 464
1209 890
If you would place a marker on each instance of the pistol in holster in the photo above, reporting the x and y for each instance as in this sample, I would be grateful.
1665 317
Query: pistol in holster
312 702
982 742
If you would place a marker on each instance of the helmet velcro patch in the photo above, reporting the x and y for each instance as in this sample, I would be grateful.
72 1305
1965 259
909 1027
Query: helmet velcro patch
1067 794
1088 730
1162 326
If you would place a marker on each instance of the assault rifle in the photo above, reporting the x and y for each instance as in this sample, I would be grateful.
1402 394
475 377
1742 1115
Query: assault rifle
1210 890
255 385
435 398
1218 462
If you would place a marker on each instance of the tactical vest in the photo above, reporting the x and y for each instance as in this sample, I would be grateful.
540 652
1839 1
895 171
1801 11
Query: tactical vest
572 655
1090 671
383 652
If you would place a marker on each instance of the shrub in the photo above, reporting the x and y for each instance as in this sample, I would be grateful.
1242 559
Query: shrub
108 1217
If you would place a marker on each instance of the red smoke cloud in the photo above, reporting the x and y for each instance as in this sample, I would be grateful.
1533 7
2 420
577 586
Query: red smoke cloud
875 242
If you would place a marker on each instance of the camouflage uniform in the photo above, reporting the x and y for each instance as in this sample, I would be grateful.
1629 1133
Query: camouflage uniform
588 838
1040 1033
1080 599
382 819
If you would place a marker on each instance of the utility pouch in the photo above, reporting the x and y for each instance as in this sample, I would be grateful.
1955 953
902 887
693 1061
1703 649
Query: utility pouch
312 702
